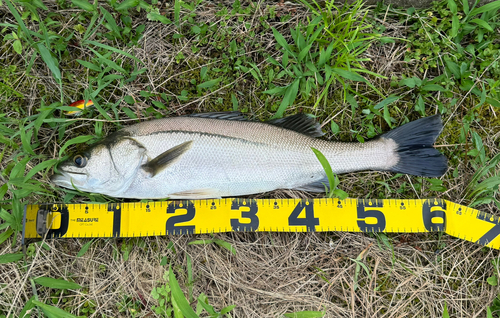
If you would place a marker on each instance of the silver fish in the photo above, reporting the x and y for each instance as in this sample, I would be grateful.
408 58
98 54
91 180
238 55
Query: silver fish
222 154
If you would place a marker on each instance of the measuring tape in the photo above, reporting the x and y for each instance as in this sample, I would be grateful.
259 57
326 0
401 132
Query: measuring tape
260 215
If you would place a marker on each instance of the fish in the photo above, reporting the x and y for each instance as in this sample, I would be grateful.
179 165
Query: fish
223 154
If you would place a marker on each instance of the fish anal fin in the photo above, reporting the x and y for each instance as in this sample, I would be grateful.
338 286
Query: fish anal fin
206 193
300 123
321 185
167 158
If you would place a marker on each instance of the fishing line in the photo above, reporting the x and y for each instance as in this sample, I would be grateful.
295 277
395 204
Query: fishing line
260 215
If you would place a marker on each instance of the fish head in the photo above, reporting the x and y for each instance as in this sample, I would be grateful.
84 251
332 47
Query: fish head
108 167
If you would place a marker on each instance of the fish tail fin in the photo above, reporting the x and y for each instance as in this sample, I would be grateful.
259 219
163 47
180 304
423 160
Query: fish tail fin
415 150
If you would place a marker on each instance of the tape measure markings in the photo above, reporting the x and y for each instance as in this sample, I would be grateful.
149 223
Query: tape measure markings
279 215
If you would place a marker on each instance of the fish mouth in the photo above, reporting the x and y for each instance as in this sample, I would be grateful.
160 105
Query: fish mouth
64 179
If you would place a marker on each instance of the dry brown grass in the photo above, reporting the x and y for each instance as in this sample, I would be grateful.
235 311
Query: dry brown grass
271 273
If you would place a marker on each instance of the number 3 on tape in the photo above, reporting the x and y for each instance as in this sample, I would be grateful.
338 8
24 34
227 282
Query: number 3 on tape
248 210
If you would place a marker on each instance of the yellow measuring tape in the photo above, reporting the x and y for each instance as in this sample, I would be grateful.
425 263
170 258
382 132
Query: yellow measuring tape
262 215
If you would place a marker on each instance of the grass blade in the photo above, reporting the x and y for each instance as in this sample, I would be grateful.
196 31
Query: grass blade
177 11
10 258
492 6
104 46
179 297
434 87
155 16
84 248
483 24
26 311
200 242
6 234
288 99
281 41
50 61
20 21
225 245
56 283
349 75
83 4
304 52
111 22
227 309
53 312
189 266
90 66
209 84
89 30
39 167
452 6
326 166
19 168
387 101
453 67
76 140
127 4
455 25
234 100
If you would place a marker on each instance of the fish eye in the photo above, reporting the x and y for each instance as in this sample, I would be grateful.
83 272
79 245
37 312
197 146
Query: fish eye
80 161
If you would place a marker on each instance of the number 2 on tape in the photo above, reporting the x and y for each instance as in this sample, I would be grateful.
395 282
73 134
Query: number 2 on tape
171 226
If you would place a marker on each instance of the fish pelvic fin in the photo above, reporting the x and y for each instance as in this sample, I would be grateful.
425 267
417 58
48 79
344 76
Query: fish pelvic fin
196 194
414 147
167 158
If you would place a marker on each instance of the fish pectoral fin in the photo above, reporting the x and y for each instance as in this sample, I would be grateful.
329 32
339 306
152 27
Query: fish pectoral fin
206 193
167 158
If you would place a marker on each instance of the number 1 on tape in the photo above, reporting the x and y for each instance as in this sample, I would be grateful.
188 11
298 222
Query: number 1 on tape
275 215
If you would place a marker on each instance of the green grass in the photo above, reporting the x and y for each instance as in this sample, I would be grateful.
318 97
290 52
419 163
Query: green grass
360 71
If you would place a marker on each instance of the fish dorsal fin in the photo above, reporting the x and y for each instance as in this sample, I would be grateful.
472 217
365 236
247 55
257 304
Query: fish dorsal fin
300 123
167 158
221 115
